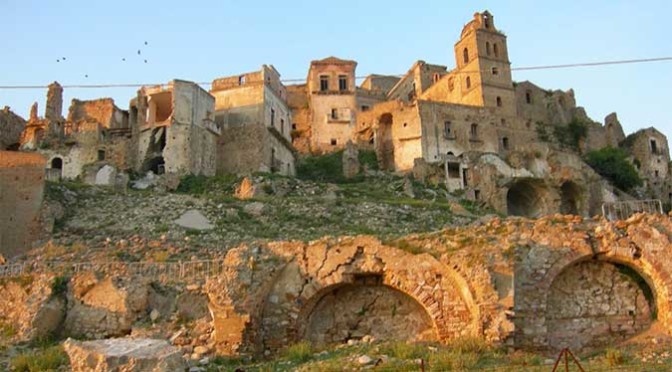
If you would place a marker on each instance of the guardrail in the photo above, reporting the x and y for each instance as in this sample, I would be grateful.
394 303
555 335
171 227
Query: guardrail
162 271
624 209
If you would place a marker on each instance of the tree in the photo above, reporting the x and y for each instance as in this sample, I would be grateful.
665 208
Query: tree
612 164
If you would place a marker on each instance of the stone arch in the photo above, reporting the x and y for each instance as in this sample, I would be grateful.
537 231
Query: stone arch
527 198
534 283
571 198
440 291
56 163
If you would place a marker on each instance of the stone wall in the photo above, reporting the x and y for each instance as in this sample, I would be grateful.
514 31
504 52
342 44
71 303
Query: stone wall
21 193
11 126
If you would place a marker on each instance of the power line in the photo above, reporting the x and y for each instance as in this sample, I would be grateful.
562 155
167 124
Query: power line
525 68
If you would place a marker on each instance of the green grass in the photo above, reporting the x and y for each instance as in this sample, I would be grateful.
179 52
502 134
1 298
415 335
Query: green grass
51 358
299 353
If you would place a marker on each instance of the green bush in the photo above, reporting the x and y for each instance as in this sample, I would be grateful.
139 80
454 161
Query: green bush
199 185
324 168
570 136
368 158
59 286
49 359
612 164
299 353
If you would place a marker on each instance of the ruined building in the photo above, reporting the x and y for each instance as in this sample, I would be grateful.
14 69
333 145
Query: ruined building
511 145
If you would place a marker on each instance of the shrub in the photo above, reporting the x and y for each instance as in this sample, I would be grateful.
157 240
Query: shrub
198 185
570 136
49 359
323 168
612 164
59 286
614 357
300 352
369 159
405 350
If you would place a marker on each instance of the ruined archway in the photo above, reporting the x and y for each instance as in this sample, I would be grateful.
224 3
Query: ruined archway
353 311
570 198
385 143
527 198
593 304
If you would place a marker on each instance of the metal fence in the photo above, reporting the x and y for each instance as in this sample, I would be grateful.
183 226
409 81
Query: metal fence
163 271
624 209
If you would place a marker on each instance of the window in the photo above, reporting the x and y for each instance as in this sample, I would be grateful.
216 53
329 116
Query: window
241 79
465 55
451 84
448 129
528 97
486 21
453 170
487 47
282 126
334 113
495 49
505 143
333 142
405 125
293 126
342 83
495 71
474 131
654 147
365 108
324 83
499 101
272 117
465 176
468 82
477 195
436 77
657 174
101 155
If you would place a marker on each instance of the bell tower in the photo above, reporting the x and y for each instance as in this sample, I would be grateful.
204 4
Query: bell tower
482 60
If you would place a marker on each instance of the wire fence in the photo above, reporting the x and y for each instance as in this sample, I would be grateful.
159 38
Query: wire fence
625 209
162 271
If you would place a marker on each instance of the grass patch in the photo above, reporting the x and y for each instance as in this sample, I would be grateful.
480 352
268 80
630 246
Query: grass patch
48 359
299 353
59 286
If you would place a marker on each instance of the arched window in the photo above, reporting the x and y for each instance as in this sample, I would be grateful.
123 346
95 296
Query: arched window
499 101
57 163
436 77
495 49
487 47
468 82
465 55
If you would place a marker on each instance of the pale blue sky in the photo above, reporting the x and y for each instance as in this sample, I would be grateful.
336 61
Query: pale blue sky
202 40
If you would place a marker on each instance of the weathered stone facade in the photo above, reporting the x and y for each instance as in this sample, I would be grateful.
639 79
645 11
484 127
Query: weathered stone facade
11 127
21 194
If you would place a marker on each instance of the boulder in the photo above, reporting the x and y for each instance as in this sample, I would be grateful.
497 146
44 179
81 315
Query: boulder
194 219
256 209
124 354
106 176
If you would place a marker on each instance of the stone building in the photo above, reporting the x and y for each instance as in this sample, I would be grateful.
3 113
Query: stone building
21 193
11 127
256 123
174 130
651 155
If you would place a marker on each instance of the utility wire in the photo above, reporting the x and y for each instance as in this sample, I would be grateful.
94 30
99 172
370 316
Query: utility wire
526 68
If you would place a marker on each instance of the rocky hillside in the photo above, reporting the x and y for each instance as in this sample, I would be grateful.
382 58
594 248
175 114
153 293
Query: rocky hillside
203 217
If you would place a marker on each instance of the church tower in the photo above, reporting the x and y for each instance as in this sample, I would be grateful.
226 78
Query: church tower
483 66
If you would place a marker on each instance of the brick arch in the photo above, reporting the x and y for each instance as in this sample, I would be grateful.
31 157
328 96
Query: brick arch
533 287
442 292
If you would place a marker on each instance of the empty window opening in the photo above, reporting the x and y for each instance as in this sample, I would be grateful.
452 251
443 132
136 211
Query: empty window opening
486 21
57 163
451 84
474 131
159 107
101 155
282 126
405 125
495 49
487 48
465 177
468 81
465 55
14 147
372 139
334 113
654 147
342 83
436 77
528 97
453 170
499 101
241 79
495 71
505 143
448 129
477 195
293 126
272 117
324 83
365 108
334 142
657 173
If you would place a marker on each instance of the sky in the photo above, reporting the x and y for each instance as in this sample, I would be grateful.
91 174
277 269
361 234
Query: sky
202 40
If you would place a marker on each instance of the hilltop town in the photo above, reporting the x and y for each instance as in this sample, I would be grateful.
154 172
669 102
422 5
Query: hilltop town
255 216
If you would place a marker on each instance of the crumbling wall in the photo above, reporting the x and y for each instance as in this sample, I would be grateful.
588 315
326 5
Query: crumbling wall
11 126
297 101
21 194
102 111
